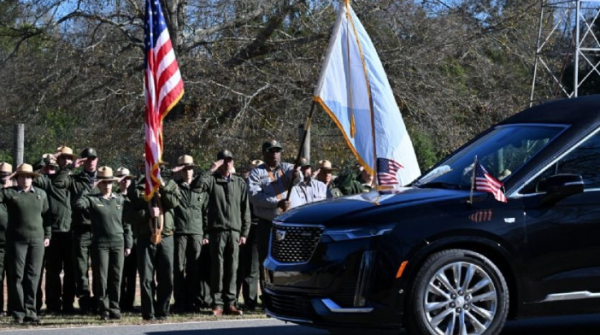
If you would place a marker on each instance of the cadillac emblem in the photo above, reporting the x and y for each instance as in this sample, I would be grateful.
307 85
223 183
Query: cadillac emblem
279 235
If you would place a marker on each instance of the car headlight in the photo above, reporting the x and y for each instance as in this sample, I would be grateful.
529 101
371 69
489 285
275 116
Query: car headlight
355 233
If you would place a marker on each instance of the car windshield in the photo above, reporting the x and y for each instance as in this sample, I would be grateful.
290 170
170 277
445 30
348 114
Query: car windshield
501 152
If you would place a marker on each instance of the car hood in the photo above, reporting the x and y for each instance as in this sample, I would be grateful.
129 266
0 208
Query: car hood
335 210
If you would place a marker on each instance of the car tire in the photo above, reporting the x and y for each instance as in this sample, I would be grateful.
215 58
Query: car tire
457 292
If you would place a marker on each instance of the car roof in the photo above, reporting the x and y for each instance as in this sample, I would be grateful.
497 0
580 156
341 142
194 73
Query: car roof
578 112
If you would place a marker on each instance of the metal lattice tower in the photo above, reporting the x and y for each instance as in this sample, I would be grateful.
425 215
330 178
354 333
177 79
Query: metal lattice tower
568 39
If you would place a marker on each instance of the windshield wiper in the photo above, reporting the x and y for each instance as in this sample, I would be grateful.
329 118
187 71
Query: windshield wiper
444 185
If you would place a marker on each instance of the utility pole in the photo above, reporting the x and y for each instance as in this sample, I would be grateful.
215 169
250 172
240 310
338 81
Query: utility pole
306 147
18 144
565 38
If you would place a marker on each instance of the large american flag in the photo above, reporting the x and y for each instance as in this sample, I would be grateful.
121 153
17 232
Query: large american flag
163 88
485 182
386 171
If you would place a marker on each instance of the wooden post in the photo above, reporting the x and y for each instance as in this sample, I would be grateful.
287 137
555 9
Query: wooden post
19 144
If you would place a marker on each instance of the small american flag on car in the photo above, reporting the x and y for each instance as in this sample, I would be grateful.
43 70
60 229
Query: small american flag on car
485 182
386 171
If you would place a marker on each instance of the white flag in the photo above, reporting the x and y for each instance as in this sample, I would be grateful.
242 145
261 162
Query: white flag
355 92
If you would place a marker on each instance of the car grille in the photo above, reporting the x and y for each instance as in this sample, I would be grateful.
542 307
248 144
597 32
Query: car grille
289 305
294 244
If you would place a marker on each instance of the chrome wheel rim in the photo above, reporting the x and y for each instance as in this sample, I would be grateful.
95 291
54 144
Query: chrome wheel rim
461 299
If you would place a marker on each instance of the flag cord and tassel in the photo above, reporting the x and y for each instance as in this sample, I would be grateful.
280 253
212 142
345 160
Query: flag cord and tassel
473 180
304 136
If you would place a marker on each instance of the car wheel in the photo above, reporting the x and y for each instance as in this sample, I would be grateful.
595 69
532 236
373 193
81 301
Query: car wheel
457 292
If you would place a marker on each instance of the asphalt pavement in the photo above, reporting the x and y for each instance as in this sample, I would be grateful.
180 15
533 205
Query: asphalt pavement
567 325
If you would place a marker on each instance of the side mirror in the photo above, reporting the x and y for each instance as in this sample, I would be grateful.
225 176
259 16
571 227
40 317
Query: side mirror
561 186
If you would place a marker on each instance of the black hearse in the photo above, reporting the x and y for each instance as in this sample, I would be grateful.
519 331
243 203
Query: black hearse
427 258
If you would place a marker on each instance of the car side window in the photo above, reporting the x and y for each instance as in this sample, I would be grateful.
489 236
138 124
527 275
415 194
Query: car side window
584 161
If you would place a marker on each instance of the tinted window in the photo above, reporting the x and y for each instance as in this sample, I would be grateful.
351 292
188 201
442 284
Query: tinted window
584 161
502 151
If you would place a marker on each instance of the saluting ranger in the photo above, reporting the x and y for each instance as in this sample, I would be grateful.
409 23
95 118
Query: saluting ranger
81 221
228 227
60 294
189 232
26 236
111 241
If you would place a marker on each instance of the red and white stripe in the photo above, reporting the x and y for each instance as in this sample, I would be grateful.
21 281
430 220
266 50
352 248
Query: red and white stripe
163 88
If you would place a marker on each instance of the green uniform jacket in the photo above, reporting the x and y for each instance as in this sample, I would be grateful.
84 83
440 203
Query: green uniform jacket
25 211
130 190
107 218
76 184
228 206
189 215
3 223
138 213
59 200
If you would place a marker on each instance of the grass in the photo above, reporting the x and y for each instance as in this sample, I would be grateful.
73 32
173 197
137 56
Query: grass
70 321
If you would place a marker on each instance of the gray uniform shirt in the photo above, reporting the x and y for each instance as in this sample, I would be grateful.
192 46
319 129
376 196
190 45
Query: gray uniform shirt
267 187
307 192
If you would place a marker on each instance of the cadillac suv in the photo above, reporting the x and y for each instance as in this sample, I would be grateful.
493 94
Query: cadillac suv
439 258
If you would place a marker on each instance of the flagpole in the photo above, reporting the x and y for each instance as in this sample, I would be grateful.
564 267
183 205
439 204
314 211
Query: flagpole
473 179
304 136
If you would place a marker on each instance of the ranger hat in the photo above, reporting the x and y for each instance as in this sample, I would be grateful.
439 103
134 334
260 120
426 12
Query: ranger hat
185 160
50 160
89 153
105 173
273 144
26 170
124 172
250 166
5 169
65 151
326 165
224 154
304 162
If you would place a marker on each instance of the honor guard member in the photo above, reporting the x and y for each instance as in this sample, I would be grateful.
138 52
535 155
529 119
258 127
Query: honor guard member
325 175
5 181
129 278
249 268
308 190
26 238
228 226
154 226
267 186
81 221
111 241
189 232
60 293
